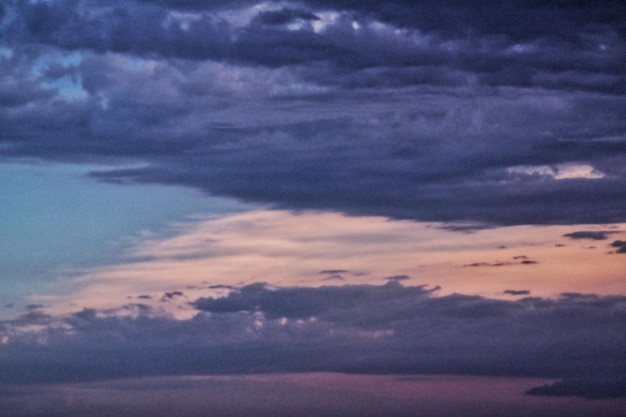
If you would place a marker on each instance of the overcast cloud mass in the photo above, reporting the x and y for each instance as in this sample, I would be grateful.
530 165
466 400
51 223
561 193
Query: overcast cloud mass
386 329
466 115
438 111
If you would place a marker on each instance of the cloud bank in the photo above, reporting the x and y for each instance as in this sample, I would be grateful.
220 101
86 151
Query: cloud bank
366 329
436 111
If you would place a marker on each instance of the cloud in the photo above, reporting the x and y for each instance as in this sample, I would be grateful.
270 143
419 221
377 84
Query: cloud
521 260
334 274
331 105
334 271
172 294
621 245
283 16
517 292
593 235
303 303
352 38
398 278
369 329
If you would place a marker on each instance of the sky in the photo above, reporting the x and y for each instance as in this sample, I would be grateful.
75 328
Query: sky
321 207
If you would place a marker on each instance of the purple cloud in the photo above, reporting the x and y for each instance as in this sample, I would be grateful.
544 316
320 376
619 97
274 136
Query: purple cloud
351 328
394 111
593 235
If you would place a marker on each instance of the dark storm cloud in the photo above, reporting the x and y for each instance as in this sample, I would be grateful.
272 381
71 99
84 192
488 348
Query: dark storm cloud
200 5
353 328
283 16
520 19
494 55
596 235
427 111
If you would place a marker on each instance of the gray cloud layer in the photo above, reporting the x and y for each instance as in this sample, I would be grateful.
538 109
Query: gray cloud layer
432 111
353 328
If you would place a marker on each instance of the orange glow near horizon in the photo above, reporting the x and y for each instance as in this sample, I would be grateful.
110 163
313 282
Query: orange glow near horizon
314 249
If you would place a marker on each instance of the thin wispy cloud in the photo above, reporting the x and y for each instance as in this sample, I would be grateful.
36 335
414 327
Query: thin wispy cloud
592 235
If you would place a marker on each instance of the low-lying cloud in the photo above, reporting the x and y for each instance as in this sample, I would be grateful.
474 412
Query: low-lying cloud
389 329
